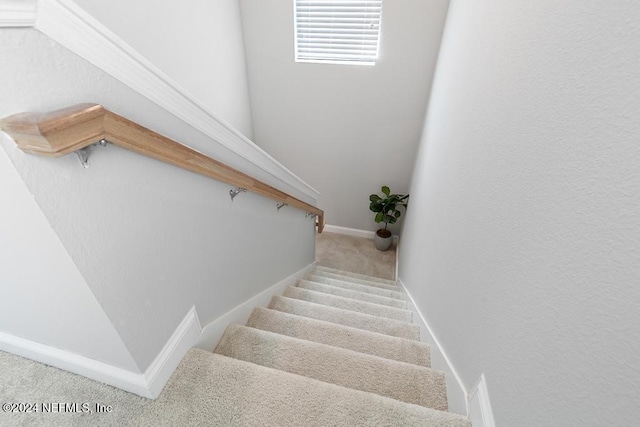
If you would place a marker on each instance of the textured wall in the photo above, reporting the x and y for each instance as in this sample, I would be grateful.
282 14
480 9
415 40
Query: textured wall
522 241
150 240
43 296
197 43
344 129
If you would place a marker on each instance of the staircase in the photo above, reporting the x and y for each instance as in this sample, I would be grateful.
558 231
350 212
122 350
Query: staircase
337 349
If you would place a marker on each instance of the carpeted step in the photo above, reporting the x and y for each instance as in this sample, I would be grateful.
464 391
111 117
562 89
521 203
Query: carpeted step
355 275
315 275
357 287
373 343
346 317
348 304
233 393
367 282
397 380
348 293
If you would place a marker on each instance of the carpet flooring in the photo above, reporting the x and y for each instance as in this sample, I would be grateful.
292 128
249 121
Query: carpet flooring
331 352
355 254
354 339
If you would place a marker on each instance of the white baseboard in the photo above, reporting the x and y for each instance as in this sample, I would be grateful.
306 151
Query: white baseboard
149 384
355 232
183 338
397 275
99 371
479 405
212 332
437 342
349 231
188 334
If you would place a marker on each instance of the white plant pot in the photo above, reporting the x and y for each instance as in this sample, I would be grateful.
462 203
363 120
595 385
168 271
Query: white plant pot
382 243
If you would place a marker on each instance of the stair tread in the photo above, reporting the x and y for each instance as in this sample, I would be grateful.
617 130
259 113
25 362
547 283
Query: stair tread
394 348
389 293
244 394
394 286
349 304
398 380
349 293
355 275
346 317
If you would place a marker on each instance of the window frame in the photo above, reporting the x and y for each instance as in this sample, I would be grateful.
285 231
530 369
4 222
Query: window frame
369 63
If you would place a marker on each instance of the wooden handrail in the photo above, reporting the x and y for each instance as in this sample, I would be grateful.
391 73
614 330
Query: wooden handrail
64 131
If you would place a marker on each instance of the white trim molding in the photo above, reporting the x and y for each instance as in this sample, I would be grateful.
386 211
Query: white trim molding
68 24
81 365
188 333
149 384
355 232
183 338
212 332
479 405
18 13
349 231
397 274
438 344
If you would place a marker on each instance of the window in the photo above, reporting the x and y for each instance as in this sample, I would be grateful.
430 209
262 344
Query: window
337 31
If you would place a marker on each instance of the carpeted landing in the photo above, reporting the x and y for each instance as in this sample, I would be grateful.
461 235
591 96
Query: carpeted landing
337 349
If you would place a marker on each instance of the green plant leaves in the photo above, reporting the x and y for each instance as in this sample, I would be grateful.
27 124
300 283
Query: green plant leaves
386 209
376 207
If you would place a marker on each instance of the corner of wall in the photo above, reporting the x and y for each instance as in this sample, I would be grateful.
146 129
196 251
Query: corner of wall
183 338
149 384
99 371
479 405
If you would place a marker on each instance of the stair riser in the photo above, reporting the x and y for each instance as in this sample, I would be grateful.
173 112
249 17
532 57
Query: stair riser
348 274
401 381
347 293
349 304
357 287
233 393
346 318
401 350
359 281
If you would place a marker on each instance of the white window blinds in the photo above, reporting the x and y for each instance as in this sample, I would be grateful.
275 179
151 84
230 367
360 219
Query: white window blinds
337 31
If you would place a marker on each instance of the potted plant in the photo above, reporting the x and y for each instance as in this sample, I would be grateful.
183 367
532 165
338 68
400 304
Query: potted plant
387 211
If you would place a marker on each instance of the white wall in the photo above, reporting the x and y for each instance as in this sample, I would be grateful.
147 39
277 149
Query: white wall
150 240
42 294
197 43
344 129
522 241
